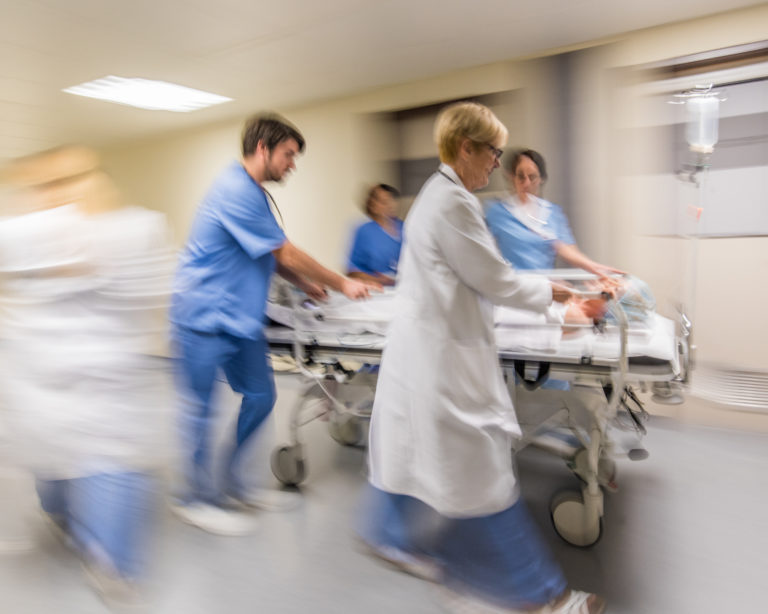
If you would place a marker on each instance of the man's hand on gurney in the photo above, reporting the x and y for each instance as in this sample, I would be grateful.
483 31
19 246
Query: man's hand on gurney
355 290
314 290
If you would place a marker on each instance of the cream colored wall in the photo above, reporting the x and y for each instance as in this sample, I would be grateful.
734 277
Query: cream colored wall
728 296
717 280
347 148
318 202
684 38
172 173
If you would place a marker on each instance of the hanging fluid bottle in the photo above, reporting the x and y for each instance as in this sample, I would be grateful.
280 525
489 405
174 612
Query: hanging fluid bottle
701 129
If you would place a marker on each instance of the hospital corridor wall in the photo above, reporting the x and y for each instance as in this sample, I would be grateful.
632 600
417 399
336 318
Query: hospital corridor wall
349 146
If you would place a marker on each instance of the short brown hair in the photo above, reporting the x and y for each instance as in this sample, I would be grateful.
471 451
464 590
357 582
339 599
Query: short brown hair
270 129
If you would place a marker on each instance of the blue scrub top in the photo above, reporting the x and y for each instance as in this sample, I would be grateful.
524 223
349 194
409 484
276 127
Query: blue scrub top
223 278
524 247
374 250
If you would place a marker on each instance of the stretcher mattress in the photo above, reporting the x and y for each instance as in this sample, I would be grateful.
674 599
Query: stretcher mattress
353 326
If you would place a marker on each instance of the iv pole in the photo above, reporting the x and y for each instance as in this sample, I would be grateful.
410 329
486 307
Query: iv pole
702 110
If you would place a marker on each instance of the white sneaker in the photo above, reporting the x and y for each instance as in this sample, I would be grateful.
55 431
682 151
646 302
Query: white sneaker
576 603
461 603
116 592
419 566
216 520
271 500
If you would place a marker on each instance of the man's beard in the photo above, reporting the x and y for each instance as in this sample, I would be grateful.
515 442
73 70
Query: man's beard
270 175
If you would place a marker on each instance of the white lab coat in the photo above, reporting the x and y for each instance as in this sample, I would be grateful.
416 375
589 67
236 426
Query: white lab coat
443 424
82 302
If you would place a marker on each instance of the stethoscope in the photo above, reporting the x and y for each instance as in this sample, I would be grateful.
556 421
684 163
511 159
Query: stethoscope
274 204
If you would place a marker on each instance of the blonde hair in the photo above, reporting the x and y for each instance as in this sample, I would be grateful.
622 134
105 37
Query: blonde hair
51 166
64 175
466 120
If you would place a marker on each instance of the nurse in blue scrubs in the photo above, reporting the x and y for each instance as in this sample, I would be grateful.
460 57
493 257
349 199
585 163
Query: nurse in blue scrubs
218 313
532 232
376 245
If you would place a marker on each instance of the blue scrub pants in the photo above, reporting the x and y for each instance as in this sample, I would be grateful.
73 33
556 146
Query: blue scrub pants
109 517
199 356
500 558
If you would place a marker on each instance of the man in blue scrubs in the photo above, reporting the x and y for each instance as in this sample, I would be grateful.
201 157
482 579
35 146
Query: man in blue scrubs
217 312
376 245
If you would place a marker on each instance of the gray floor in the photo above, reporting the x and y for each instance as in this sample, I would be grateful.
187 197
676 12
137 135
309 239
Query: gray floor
685 534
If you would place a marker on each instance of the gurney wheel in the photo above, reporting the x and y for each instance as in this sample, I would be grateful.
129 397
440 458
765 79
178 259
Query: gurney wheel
606 470
288 465
573 521
346 430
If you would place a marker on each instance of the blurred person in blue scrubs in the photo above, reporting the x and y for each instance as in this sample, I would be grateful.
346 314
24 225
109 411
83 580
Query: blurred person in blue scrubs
376 245
84 283
530 231
218 313
443 499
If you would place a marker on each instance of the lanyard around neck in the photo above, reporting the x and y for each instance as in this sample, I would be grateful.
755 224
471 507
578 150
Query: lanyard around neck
447 176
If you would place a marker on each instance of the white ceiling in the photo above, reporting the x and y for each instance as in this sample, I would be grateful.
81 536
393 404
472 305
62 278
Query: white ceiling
268 54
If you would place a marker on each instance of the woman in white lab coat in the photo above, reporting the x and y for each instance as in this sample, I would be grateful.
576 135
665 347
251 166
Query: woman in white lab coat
443 425
83 287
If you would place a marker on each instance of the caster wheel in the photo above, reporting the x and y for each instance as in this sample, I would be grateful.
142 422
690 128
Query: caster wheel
573 521
606 470
346 430
288 465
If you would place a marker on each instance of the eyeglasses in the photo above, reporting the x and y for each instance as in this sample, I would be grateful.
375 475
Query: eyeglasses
533 177
496 151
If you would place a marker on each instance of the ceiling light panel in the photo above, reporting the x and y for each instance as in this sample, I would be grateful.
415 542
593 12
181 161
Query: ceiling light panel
147 94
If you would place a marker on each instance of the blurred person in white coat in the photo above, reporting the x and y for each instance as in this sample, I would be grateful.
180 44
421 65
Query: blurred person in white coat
84 283
444 499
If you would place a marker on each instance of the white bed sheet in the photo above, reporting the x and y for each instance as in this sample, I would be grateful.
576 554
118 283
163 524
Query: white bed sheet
354 324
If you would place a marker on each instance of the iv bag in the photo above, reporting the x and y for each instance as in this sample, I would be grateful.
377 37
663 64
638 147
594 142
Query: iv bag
701 130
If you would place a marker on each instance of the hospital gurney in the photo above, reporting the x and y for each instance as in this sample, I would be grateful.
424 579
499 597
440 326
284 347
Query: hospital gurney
337 347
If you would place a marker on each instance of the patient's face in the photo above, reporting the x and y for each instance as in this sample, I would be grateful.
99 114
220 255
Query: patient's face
632 294
594 308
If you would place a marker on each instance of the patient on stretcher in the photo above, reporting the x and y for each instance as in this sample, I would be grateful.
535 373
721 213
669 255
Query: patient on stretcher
634 297
517 327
